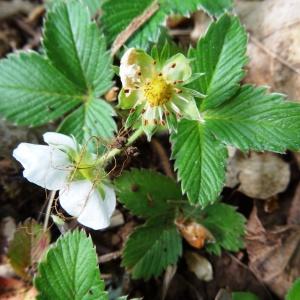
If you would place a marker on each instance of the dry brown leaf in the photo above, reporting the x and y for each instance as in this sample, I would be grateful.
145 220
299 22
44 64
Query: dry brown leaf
27 247
274 47
201 21
112 94
294 211
194 233
232 274
273 254
232 169
11 8
263 175
16 289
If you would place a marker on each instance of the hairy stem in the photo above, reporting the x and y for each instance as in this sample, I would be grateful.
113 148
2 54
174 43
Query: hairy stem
48 211
112 153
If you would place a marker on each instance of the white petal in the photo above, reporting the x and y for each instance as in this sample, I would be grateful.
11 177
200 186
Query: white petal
80 199
177 68
59 140
135 66
43 166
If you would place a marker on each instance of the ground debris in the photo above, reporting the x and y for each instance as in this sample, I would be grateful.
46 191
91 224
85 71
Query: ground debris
274 47
260 175
274 255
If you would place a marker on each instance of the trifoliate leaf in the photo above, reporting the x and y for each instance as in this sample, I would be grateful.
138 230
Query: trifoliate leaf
226 225
255 119
244 296
200 160
221 56
94 118
70 270
118 14
33 92
152 247
81 55
294 291
27 247
147 193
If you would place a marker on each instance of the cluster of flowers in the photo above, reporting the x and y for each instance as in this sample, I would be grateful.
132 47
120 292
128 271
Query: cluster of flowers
155 92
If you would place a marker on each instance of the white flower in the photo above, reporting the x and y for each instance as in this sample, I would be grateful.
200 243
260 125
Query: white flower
63 166
155 89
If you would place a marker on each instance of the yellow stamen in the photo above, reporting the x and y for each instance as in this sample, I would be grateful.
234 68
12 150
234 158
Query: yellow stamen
157 91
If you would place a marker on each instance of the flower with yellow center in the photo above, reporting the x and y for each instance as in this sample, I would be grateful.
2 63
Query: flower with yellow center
155 90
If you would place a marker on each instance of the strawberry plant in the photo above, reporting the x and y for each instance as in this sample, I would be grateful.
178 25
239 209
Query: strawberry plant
196 96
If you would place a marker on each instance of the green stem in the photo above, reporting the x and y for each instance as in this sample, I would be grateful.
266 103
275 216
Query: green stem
48 211
112 153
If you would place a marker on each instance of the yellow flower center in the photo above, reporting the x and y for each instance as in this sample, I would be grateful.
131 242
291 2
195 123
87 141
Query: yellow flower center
157 91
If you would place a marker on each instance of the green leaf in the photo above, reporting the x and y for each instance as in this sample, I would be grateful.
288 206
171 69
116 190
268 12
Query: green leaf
223 221
93 5
27 247
118 14
152 247
255 119
200 160
226 225
94 118
216 7
294 291
146 193
244 296
33 92
221 56
81 55
70 270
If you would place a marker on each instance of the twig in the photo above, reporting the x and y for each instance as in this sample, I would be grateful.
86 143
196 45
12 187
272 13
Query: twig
165 161
257 43
48 211
110 256
25 27
135 24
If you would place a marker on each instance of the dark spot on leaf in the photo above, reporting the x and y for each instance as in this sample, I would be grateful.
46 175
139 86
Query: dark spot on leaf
50 108
134 188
